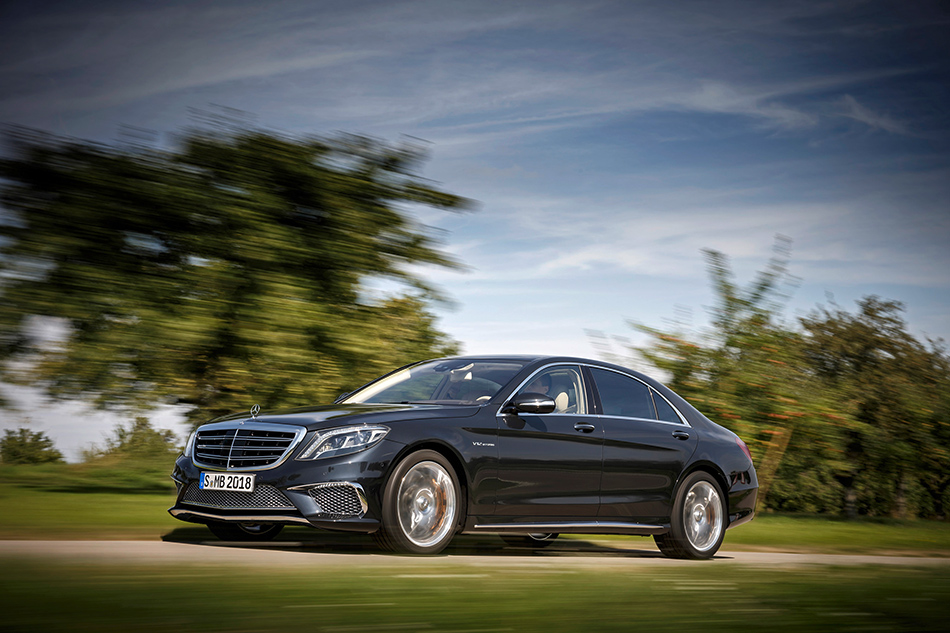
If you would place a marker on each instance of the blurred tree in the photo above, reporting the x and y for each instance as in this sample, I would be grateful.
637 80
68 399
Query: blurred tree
227 271
745 372
24 446
894 390
848 413
935 460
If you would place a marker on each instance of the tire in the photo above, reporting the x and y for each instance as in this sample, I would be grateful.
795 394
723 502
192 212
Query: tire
422 505
535 541
245 531
698 520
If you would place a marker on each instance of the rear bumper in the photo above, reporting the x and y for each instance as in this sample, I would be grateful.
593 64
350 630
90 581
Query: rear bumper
742 505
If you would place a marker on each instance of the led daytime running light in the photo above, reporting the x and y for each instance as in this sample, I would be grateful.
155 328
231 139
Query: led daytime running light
343 441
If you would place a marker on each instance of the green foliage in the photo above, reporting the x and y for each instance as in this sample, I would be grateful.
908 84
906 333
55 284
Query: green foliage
846 414
136 443
135 459
24 446
232 269
894 390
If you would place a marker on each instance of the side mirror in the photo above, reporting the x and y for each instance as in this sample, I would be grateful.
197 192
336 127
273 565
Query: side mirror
530 403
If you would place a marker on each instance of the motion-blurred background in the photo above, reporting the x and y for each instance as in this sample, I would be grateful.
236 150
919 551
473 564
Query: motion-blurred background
208 205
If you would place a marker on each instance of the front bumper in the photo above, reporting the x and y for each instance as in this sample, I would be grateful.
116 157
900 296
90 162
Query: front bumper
340 493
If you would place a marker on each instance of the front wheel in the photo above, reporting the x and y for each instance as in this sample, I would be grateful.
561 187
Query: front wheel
245 531
422 505
698 521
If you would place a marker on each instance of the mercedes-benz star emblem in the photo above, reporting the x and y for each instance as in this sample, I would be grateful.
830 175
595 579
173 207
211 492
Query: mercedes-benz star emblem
255 410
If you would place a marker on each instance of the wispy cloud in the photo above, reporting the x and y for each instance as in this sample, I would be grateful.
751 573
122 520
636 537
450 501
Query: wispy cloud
853 110
853 236
414 64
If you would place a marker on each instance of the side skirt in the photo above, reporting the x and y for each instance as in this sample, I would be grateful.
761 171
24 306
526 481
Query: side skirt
572 527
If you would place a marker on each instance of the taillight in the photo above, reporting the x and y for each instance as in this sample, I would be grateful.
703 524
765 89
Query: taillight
745 449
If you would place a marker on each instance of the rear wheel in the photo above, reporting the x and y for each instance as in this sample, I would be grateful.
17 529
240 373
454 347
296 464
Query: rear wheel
528 540
698 521
422 505
245 531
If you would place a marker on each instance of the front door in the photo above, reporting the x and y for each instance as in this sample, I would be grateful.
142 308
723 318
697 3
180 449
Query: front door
550 464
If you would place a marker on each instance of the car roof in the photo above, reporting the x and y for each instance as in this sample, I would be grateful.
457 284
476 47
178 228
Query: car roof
534 358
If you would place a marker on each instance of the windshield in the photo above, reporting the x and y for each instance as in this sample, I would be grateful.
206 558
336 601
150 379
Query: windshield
455 381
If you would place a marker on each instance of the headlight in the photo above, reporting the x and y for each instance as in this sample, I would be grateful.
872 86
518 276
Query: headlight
190 445
343 441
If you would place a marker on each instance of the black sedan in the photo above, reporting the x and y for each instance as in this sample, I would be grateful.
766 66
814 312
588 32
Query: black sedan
526 447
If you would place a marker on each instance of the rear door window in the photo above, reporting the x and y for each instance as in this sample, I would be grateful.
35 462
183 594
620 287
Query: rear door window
622 395
664 411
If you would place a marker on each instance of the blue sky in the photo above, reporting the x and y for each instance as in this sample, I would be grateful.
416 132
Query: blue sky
607 143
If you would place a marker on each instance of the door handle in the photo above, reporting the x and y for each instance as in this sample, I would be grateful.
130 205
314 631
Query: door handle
681 435
583 426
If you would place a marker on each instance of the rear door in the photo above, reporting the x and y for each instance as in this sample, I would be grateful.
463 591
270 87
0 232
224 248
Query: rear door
646 446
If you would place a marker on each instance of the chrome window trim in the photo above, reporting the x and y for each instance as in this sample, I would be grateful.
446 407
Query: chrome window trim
253 425
531 377
682 417
627 417
548 415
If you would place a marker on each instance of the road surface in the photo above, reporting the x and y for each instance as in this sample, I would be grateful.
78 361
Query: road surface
293 553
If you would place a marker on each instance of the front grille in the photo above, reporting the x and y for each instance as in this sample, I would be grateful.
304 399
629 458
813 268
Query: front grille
264 497
337 501
241 447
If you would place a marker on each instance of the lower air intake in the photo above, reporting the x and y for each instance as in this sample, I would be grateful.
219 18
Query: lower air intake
338 501
264 497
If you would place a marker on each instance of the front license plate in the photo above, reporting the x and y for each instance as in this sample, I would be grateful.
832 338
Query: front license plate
227 481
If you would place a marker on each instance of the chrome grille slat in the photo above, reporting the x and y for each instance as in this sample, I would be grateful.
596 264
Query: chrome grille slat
245 446
255 458
264 497
266 439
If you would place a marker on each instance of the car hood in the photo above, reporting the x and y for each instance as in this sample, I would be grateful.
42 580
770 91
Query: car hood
342 414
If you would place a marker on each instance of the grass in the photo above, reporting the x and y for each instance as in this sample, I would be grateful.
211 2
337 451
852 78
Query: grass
110 501
107 498
830 535
376 597
36 513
